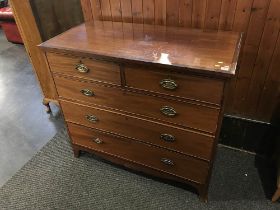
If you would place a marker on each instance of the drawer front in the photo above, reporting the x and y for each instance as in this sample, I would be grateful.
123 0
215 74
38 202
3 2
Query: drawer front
88 68
160 159
188 115
189 87
187 142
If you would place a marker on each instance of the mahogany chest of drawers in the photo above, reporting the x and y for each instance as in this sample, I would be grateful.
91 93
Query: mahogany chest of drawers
147 97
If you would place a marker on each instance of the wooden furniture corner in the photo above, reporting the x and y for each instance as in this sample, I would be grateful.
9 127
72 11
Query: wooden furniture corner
31 38
39 21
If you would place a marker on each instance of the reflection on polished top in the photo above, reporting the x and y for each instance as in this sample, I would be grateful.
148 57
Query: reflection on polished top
192 49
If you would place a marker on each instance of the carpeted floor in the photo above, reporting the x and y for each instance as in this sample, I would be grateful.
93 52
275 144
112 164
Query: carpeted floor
54 179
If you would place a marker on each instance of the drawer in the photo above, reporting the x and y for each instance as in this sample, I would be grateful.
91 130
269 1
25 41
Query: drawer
184 86
185 114
156 158
88 68
184 141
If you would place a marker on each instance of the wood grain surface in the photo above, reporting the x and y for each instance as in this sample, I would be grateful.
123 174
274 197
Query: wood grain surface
187 141
147 155
188 87
187 115
97 70
191 49
248 92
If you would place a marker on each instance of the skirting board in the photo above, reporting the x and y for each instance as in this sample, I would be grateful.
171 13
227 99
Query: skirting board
253 136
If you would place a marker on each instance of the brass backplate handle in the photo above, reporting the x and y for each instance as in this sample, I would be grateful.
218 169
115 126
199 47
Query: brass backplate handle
82 68
169 84
167 137
167 161
87 92
168 111
97 141
92 118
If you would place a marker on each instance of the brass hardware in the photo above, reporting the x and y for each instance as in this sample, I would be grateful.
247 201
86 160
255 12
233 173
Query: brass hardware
168 111
168 84
167 162
97 141
92 118
82 68
87 92
167 137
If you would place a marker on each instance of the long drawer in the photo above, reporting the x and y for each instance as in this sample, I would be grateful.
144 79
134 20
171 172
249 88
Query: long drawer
160 159
184 141
85 68
188 115
170 83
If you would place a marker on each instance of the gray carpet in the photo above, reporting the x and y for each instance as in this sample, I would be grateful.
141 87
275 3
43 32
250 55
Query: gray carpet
53 179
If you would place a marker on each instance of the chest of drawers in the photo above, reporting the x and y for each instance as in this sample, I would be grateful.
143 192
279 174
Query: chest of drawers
150 98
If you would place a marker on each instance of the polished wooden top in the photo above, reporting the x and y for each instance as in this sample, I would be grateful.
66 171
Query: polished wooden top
190 49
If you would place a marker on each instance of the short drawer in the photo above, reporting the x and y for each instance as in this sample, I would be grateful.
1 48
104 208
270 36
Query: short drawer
184 141
187 115
156 158
184 86
85 68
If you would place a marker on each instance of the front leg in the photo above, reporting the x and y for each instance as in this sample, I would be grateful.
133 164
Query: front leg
76 152
276 195
47 104
203 193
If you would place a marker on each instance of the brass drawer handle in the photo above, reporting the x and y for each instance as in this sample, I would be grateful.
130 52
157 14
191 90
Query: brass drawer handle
92 118
169 84
97 141
82 68
167 162
167 137
87 92
168 111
